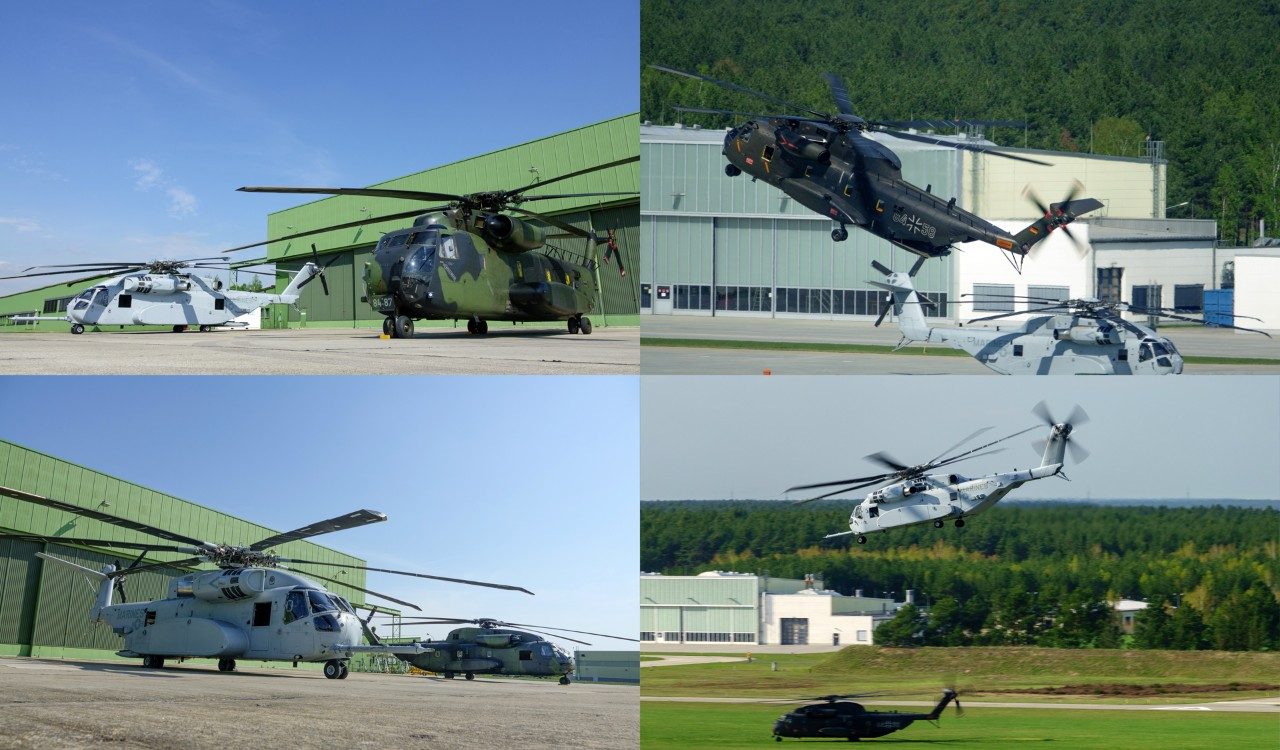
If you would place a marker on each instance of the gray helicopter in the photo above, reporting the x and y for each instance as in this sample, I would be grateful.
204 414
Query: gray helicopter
491 646
164 292
914 496
1075 337
253 607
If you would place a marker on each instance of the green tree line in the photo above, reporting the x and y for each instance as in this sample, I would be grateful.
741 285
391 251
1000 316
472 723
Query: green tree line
1086 76
1021 574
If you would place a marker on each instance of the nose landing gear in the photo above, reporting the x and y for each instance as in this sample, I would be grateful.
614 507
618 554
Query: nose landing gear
77 329
226 665
580 324
336 669
403 327
564 679
840 235
477 327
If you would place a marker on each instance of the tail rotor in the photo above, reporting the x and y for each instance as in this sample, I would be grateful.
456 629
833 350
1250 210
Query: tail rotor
1077 418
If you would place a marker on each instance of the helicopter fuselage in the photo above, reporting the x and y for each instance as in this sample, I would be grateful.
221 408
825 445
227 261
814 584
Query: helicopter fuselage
503 271
853 179
474 650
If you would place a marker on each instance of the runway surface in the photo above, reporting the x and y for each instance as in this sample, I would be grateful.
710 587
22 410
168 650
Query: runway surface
660 360
324 351
1257 705
54 704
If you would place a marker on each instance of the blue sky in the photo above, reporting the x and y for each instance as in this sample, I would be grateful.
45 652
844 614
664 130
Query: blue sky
519 480
128 125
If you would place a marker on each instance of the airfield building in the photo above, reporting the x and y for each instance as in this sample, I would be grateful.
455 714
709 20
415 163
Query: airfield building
715 245
44 607
622 667
718 607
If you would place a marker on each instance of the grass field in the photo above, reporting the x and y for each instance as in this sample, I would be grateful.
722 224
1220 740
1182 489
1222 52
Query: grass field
681 725
976 672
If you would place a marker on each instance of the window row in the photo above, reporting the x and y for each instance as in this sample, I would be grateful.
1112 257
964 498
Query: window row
650 636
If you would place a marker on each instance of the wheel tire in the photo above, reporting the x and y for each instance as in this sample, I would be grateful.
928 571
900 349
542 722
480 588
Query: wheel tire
471 327
404 327
346 670
332 669
157 662
146 662
226 665
483 327
574 325
840 235
470 675
732 170
388 327
777 738
77 329
564 680
585 325
937 524
205 329
862 539
448 675
179 329
959 523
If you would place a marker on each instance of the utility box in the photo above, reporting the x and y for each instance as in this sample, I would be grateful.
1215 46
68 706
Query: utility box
1219 307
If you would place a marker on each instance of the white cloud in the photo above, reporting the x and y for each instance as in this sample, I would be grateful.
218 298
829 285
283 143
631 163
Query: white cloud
19 224
149 175
181 202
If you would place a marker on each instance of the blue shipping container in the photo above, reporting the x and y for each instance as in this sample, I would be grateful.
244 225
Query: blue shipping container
1219 307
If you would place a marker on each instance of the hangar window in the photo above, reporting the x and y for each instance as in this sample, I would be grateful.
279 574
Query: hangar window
1052 293
1108 284
646 296
693 297
993 297
56 305
1147 295
743 298
1188 297
9 319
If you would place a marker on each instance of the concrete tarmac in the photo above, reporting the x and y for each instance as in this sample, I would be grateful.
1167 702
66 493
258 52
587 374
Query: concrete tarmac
659 360
56 704
506 350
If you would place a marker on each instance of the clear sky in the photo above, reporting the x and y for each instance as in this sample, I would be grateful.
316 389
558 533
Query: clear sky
522 480
1149 438
128 125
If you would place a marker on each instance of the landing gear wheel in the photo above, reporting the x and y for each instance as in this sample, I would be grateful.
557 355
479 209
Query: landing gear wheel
179 329
346 670
226 665
205 329
448 675
482 327
388 327
862 539
404 327
332 669
471 327
777 738
564 680
959 523
470 675
574 325
153 662
77 329
937 524
585 325
732 170
840 235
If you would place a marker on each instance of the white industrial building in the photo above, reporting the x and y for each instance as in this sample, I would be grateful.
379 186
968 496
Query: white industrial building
1257 283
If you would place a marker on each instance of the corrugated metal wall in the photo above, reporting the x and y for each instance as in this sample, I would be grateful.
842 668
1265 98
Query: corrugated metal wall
45 605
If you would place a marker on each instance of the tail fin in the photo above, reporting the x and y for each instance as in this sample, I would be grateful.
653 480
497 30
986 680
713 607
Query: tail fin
948 695
1055 448
1058 215
106 584
906 302
300 279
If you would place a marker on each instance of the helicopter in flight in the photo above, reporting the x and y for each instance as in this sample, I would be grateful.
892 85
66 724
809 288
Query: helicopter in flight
472 259
253 606
911 495
164 292
827 164
1073 337
832 716
489 646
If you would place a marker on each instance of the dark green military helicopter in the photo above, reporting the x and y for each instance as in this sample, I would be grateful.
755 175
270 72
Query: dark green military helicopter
826 163
832 717
472 260
489 646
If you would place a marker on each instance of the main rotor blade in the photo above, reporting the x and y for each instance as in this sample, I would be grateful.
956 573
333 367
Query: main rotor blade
963 457
358 223
407 573
90 266
586 170
350 585
351 520
839 92
956 124
98 515
100 543
853 480
184 563
730 112
526 199
97 273
571 229
1020 312
884 459
567 630
961 146
980 447
411 195
739 89
960 443
843 490
1148 311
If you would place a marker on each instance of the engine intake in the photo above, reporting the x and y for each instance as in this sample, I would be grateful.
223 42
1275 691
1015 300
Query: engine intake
512 234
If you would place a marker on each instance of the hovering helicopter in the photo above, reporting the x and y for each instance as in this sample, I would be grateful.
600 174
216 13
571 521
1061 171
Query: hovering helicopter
253 607
826 163
494 647
832 716
469 260
914 496
164 292
1075 337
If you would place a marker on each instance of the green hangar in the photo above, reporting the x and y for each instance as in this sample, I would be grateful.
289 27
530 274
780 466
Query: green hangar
513 167
44 607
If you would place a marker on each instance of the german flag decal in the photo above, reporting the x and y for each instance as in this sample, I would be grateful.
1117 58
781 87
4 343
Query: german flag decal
1033 230
1002 242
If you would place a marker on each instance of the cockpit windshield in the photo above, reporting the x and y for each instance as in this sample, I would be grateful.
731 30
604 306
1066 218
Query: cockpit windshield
101 296
320 602
343 604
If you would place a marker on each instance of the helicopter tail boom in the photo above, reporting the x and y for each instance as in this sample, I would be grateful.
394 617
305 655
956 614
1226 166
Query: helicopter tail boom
906 304
948 695
291 292
106 586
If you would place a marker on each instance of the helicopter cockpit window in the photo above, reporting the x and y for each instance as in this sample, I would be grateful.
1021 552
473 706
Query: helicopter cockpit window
295 606
1145 352
320 602
343 604
327 623
546 650
1159 349
101 296
857 512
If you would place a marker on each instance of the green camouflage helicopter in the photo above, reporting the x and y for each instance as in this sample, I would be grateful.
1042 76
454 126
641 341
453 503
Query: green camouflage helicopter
470 260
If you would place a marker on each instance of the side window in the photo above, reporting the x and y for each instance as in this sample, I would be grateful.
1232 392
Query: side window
526 656
125 300
218 304
261 614
295 606
1017 350
151 617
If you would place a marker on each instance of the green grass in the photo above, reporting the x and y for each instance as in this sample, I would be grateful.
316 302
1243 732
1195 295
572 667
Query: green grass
712 725
922 672
936 351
